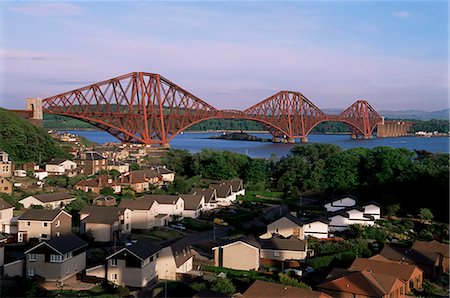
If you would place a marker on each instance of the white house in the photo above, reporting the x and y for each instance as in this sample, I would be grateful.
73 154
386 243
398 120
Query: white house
144 213
170 205
340 220
340 203
193 205
210 196
48 200
40 174
6 214
373 209
316 228
61 167
285 226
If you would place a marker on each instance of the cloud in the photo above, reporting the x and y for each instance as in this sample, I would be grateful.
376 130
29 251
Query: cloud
49 9
402 14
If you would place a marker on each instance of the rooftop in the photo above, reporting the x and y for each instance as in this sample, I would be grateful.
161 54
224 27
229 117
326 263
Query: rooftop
40 214
53 197
99 214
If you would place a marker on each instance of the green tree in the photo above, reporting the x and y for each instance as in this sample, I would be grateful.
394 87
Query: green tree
134 166
425 214
223 285
76 206
286 280
128 193
392 209
107 191
179 161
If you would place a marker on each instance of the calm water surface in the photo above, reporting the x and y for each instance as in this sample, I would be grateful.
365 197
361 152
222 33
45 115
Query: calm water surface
195 142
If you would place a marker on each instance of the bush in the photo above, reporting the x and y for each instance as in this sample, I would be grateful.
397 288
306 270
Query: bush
223 285
290 281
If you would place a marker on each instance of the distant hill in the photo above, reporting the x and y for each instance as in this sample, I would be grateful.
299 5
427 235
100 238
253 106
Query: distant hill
407 114
26 142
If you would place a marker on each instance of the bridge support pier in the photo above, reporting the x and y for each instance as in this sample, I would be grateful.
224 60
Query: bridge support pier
35 105
304 140
291 140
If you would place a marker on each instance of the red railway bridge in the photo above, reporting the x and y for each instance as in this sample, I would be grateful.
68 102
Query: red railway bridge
147 108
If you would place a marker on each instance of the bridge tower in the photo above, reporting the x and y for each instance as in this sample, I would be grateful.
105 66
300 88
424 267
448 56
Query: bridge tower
35 105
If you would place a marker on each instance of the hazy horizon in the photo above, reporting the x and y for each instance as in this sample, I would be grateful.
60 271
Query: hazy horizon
233 54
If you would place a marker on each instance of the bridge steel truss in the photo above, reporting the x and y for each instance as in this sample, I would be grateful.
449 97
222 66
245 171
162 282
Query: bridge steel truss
147 108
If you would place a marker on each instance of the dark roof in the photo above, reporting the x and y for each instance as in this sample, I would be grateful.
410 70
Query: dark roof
371 203
98 181
237 184
181 252
411 256
162 199
40 214
53 196
56 161
105 198
116 163
208 193
142 203
163 170
344 212
292 243
63 244
401 271
99 214
4 205
314 219
90 155
292 218
148 173
267 289
222 191
340 198
191 202
432 246
142 249
247 239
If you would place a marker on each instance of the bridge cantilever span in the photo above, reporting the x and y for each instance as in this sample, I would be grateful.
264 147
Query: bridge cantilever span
147 108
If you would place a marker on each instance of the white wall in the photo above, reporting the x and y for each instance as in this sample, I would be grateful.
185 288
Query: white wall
340 204
373 210
316 229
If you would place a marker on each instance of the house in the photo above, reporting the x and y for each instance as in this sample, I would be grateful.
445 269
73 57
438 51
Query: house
210 196
167 175
340 203
268 289
107 201
411 275
137 181
429 262
96 184
57 259
144 213
91 162
170 205
286 226
238 254
193 205
372 209
20 173
174 258
316 227
228 190
6 166
340 220
40 174
363 284
441 249
6 214
58 167
134 265
6 186
43 224
48 200
120 166
278 249
105 223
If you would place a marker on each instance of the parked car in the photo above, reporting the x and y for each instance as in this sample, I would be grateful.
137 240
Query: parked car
294 271
219 221
178 226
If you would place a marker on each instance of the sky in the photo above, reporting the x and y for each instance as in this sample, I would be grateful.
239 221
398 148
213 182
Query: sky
233 54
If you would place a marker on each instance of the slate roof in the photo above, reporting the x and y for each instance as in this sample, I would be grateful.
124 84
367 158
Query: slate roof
267 289
191 202
292 243
102 215
56 161
142 249
63 244
162 170
411 256
4 205
40 214
162 199
340 198
53 197
292 218
433 246
401 271
181 252
247 239
361 283
222 191
98 181
208 193
141 203
90 155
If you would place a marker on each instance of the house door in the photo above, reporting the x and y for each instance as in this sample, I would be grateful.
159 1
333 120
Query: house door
22 237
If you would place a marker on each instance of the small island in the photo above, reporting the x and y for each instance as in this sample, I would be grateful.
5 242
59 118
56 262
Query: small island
239 136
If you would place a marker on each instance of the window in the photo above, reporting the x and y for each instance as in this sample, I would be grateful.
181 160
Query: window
28 223
411 284
57 234
44 224
276 253
127 226
31 272
58 223
44 236
114 276
32 257
113 262
55 258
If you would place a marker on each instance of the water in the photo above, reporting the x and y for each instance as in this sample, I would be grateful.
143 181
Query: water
195 142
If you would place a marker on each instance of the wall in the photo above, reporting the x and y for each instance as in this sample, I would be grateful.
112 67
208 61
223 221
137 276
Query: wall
340 204
131 276
97 271
282 254
316 229
285 227
239 256
101 232
57 271
14 268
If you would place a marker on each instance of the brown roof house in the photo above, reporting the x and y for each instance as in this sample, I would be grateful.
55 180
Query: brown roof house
137 181
278 249
48 200
411 275
193 205
6 214
107 201
43 224
97 183
264 289
144 213
363 284
57 259
120 166
91 162
435 247
6 186
239 254
105 224
429 261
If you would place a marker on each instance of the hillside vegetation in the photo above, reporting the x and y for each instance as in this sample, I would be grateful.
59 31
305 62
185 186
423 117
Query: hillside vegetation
25 142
